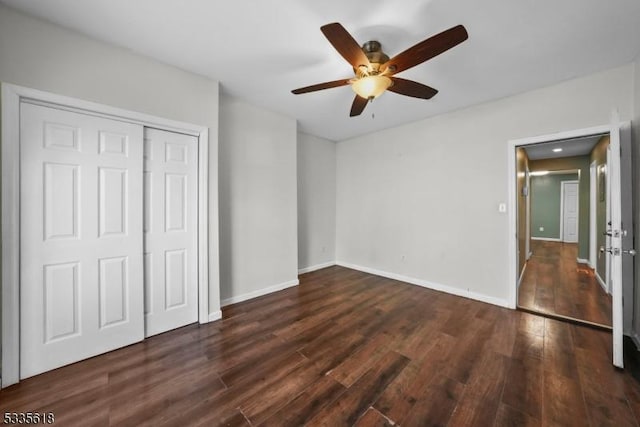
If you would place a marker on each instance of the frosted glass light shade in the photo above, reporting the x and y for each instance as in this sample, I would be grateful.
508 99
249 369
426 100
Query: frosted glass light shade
371 86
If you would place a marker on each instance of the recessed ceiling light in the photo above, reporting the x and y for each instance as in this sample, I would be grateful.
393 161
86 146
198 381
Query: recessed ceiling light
557 150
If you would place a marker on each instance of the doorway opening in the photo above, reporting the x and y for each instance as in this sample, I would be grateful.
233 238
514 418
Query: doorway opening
617 250
559 276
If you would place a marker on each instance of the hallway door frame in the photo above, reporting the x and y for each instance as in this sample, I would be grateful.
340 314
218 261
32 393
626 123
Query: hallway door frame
616 130
593 244
512 229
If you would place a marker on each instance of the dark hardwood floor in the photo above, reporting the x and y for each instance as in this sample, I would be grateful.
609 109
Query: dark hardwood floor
348 348
555 283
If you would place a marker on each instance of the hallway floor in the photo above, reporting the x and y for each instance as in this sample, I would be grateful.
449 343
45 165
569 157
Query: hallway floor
555 283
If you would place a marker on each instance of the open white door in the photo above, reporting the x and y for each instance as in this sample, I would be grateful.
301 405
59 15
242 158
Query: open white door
614 251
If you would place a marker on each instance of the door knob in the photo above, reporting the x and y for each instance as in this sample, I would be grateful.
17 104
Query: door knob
631 252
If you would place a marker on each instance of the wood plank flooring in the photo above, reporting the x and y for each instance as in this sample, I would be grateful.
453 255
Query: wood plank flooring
555 283
347 348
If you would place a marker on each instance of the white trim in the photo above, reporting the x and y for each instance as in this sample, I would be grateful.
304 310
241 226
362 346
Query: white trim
583 261
62 102
593 251
203 227
512 231
601 282
10 236
12 96
430 285
527 211
216 315
607 218
529 255
259 293
548 239
316 267
562 191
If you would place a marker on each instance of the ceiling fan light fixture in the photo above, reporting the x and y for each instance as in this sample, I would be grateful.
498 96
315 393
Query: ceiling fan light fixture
371 86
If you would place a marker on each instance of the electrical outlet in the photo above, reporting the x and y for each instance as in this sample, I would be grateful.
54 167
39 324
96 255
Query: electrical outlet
541 228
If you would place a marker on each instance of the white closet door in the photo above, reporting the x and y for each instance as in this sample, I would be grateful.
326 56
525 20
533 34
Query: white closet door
170 230
81 269
570 196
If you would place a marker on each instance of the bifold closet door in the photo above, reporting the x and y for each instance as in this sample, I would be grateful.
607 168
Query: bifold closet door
170 230
81 246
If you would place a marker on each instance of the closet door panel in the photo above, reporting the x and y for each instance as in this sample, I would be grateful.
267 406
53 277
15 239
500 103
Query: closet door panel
81 245
170 239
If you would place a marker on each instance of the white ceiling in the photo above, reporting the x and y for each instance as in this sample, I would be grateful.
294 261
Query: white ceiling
261 50
570 148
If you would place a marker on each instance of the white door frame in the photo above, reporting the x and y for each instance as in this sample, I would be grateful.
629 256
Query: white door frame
512 230
593 244
12 96
562 184
607 219
527 213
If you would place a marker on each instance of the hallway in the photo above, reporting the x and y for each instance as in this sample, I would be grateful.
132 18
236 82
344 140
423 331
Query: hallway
555 283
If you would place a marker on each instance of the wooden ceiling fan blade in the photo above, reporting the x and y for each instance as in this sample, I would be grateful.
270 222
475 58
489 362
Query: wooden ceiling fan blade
411 88
426 50
358 106
345 44
321 86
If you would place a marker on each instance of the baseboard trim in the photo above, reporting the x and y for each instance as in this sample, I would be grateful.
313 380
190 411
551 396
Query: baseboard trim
259 293
216 315
548 239
602 282
429 285
316 267
583 261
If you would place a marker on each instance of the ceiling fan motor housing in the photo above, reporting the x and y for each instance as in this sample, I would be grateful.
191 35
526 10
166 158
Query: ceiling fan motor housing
373 51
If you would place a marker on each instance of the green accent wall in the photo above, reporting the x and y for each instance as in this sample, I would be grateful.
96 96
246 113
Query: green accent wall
580 163
545 204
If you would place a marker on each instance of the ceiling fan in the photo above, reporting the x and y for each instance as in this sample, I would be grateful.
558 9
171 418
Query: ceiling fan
374 71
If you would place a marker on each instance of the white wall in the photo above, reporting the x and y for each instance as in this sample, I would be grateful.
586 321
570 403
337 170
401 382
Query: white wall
316 202
420 201
43 56
258 201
